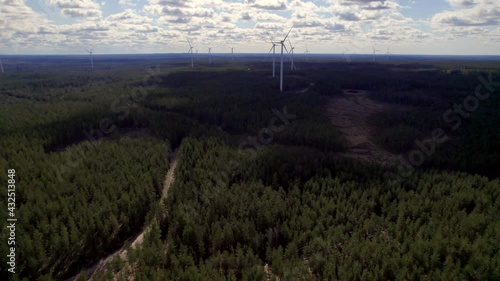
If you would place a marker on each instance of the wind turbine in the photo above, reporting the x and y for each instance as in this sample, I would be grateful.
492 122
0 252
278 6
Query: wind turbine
388 53
91 59
210 54
346 57
374 52
191 52
282 43
307 52
232 53
292 65
273 48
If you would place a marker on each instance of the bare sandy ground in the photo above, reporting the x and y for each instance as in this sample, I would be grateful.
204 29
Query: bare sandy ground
350 114
136 241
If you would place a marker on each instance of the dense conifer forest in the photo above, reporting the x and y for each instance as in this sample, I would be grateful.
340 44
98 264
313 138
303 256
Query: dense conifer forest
264 188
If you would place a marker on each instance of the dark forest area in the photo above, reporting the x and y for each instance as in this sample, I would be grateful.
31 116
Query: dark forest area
266 186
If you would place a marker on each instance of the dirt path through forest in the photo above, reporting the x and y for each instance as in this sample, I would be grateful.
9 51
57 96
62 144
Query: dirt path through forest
139 239
350 114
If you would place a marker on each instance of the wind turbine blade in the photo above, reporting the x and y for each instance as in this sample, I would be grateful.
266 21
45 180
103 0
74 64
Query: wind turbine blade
268 54
288 33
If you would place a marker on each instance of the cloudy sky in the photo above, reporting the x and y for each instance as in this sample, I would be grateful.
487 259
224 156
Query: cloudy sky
326 26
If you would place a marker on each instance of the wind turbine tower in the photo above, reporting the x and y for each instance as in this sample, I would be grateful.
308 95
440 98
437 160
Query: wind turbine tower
191 52
346 56
292 65
210 55
282 43
374 52
273 48
91 59
307 52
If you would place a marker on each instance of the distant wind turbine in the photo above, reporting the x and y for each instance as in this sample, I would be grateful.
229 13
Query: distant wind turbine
307 52
232 51
210 55
191 52
374 52
273 48
292 48
91 59
346 57
388 53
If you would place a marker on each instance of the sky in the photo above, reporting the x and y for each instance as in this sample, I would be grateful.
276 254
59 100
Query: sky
433 27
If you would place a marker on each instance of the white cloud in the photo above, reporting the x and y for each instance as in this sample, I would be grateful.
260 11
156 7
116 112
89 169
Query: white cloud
77 8
470 13
472 19
245 22
16 18
462 3
268 4
127 3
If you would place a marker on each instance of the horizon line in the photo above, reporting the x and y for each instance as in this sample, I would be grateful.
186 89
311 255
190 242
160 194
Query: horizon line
297 54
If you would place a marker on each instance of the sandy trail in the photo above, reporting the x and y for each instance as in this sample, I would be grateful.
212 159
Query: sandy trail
350 113
136 241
